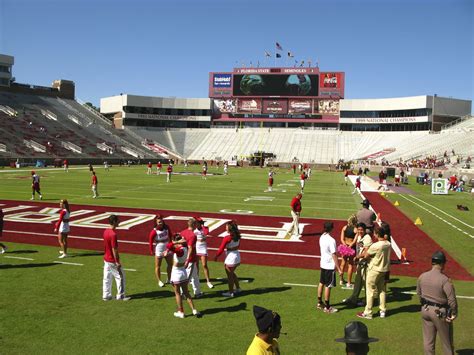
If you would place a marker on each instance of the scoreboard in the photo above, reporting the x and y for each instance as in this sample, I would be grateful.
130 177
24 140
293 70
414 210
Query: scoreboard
276 91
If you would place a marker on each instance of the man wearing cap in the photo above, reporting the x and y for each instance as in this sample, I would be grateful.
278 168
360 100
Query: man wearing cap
438 305
366 216
356 337
269 327
295 213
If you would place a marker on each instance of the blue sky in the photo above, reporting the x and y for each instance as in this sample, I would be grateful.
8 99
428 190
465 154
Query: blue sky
387 48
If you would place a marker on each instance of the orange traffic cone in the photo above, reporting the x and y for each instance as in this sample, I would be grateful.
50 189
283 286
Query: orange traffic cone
404 256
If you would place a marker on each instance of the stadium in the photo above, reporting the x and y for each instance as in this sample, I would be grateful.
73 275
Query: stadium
285 121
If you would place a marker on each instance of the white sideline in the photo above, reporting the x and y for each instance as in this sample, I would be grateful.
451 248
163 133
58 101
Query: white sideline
146 243
404 292
447 214
17 257
66 263
439 217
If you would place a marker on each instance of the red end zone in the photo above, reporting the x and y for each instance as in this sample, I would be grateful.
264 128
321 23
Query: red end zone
265 241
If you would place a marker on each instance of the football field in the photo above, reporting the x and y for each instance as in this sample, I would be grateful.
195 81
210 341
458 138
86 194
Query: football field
54 305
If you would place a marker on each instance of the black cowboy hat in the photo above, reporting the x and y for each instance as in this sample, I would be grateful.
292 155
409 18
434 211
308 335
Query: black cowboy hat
356 333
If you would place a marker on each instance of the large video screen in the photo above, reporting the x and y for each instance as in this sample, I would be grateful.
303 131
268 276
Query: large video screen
276 85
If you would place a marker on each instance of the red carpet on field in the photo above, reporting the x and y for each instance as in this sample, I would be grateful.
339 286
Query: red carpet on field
419 245
25 224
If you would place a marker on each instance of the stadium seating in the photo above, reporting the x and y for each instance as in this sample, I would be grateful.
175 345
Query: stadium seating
64 128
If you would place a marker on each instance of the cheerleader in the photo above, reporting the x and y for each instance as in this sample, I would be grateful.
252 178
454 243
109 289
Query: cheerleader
179 276
202 232
62 227
347 250
158 239
270 180
231 244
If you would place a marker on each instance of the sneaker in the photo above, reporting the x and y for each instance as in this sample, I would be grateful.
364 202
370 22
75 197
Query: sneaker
62 256
161 284
197 313
178 314
210 285
363 315
350 286
198 295
31 199
330 310
124 298
237 291
319 306
107 299
4 250
382 314
228 294
41 197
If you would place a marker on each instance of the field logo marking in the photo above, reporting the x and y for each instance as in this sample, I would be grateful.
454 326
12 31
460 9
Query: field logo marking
286 185
16 208
277 233
46 216
211 223
92 222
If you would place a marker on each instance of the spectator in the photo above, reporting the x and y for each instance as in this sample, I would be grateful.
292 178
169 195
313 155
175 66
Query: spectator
269 327
356 337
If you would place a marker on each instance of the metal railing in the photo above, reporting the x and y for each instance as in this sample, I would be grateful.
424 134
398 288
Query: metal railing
453 123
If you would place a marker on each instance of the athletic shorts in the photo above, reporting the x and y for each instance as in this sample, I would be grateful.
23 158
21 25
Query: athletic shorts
328 278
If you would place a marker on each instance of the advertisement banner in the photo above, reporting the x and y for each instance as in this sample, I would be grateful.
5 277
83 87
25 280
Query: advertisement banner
384 119
275 106
439 186
249 105
225 106
330 80
222 80
300 106
328 106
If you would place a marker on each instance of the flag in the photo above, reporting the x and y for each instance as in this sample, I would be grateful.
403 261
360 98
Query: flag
267 54
258 64
290 55
309 63
278 55
302 63
278 46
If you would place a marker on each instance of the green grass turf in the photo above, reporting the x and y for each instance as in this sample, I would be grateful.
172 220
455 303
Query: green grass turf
325 196
57 308
52 308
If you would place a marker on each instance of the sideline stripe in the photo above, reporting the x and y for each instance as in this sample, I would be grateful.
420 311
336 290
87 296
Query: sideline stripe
440 218
447 214
404 292
17 257
66 263
146 243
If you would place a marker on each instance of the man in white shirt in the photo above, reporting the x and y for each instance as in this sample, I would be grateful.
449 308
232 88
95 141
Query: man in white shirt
329 264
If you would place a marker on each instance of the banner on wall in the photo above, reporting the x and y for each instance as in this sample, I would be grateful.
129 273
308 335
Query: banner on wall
275 106
327 106
249 106
299 106
225 105
330 80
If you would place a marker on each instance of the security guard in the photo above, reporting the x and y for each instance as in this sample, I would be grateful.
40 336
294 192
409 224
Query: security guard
438 305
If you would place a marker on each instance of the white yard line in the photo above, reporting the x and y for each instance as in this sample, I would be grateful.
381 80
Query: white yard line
447 214
146 243
17 257
132 270
439 217
66 263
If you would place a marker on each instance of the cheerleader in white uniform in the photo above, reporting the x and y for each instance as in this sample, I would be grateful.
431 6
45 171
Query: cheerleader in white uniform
158 238
202 232
179 275
62 227
230 244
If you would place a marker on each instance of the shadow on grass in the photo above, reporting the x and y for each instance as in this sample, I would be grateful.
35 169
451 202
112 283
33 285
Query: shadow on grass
24 266
21 251
255 291
237 308
80 255
153 295
465 351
